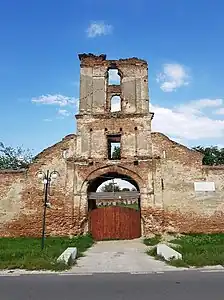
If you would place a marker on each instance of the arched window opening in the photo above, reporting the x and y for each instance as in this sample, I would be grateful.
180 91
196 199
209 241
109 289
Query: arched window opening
113 77
115 104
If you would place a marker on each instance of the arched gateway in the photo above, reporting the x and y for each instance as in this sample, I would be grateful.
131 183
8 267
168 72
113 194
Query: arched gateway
114 214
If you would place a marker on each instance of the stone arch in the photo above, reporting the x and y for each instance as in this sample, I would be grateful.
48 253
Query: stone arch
101 220
101 171
120 170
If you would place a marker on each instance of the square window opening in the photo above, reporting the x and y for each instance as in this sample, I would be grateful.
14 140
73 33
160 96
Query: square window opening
114 147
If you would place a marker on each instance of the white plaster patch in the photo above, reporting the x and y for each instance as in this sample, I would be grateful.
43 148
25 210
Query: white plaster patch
204 186
10 204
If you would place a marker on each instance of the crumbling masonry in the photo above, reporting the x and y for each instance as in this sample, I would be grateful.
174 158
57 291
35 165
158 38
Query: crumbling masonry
164 171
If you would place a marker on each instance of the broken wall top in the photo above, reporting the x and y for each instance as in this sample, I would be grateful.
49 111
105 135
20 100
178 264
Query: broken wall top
90 60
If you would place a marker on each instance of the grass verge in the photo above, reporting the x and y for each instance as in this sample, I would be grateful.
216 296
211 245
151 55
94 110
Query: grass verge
26 253
197 250
201 249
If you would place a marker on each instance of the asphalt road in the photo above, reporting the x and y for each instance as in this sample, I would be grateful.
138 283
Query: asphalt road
187 285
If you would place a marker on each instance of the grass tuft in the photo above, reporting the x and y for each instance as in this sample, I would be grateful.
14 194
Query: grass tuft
179 263
152 241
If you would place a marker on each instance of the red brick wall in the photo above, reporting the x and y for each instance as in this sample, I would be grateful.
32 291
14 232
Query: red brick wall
27 206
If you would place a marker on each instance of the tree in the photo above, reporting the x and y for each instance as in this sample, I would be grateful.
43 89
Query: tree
110 187
116 154
14 158
212 155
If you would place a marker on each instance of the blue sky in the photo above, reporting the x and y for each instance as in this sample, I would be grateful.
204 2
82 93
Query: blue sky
182 40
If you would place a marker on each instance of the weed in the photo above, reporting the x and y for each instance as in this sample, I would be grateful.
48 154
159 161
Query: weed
152 241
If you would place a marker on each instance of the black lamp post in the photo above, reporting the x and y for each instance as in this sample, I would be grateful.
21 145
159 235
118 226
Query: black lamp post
46 179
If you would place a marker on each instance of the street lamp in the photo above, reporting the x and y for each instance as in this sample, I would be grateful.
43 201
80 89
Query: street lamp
46 178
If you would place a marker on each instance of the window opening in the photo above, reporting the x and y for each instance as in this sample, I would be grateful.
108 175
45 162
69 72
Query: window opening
115 104
114 77
114 147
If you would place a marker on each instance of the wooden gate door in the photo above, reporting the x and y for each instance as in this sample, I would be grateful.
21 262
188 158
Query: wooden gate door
115 222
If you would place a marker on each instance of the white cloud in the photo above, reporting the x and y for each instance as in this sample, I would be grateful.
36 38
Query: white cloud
64 112
188 122
219 111
47 120
196 107
98 28
172 77
208 102
220 146
56 99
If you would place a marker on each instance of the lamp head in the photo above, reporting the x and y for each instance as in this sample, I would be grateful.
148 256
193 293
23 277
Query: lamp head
54 174
40 175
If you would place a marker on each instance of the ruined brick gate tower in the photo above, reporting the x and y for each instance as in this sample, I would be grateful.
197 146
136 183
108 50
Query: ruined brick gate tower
174 191
100 125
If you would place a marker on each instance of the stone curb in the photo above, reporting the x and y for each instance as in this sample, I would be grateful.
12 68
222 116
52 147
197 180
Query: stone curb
19 272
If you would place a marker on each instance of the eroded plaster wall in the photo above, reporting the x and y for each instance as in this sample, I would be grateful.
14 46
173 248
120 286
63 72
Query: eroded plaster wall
135 131
22 195
95 94
177 206
11 185
95 120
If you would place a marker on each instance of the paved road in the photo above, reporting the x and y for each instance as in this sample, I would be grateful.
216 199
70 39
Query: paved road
118 256
184 285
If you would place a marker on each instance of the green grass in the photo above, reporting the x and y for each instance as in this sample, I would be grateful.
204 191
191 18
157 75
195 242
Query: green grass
201 249
152 241
26 253
133 206
197 250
